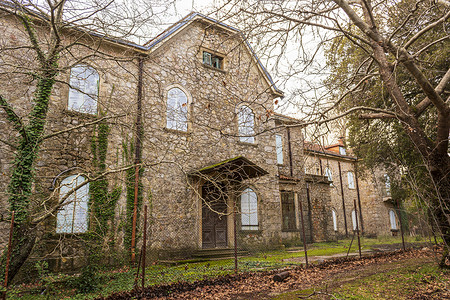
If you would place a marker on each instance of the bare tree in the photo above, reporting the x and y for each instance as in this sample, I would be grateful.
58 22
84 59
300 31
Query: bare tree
387 51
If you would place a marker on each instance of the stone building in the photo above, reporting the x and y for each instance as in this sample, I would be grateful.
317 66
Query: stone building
194 108
369 192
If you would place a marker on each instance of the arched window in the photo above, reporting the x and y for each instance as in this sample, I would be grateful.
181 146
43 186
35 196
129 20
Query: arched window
246 124
249 210
73 216
177 110
83 91
334 215
393 220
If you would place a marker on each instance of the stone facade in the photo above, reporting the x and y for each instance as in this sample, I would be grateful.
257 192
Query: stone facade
347 187
206 165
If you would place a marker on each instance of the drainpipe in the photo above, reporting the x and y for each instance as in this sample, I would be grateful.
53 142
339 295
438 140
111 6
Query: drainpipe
359 198
343 199
308 198
137 158
290 151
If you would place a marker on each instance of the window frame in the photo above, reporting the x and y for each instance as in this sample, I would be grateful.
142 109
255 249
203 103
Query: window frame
213 59
178 124
67 215
351 183
354 220
249 215
393 215
334 218
246 132
329 175
279 148
288 216
78 89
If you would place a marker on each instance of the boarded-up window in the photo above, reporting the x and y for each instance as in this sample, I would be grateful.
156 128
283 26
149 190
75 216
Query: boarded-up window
279 147
83 91
73 216
249 210
177 110
288 210
246 124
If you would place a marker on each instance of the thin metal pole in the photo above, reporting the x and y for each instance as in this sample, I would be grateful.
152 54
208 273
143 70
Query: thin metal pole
401 225
8 255
133 231
235 240
359 198
357 227
351 243
303 232
144 247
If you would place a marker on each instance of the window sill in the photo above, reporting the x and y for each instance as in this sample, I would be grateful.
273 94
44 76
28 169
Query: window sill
259 231
176 131
213 68
247 144
79 114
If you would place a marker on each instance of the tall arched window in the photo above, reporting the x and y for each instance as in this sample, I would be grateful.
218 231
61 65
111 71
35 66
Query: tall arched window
246 124
83 91
249 210
351 180
73 216
393 220
334 216
177 110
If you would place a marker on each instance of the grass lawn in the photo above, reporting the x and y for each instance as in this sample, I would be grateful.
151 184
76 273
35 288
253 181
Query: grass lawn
102 283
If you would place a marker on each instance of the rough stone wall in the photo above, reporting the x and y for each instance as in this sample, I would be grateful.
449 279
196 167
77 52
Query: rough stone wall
375 203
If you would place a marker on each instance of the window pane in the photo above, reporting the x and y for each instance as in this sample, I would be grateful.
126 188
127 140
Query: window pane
83 92
333 212
249 210
207 58
246 123
393 220
177 110
279 147
73 217
354 219
351 180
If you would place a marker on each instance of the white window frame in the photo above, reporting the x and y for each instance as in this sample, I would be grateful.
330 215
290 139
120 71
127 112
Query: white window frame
177 109
351 180
83 90
72 217
279 148
249 210
246 124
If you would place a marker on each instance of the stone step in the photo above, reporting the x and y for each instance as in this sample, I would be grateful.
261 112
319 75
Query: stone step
217 253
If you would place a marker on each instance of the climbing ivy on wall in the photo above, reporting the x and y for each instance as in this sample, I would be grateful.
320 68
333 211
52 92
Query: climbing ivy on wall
103 202
128 150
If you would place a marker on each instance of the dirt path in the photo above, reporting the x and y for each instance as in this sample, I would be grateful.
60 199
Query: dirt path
261 286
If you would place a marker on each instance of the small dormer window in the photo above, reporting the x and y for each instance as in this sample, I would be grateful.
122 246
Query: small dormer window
213 60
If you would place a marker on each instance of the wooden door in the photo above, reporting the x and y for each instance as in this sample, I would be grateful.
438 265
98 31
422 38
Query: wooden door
214 218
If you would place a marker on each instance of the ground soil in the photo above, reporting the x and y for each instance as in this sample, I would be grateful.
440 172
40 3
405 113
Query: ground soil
323 277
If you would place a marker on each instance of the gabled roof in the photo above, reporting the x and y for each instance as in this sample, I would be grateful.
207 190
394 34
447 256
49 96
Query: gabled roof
170 32
318 149
163 37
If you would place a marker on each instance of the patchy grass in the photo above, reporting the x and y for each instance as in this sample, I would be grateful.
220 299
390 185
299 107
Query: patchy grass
405 282
57 286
